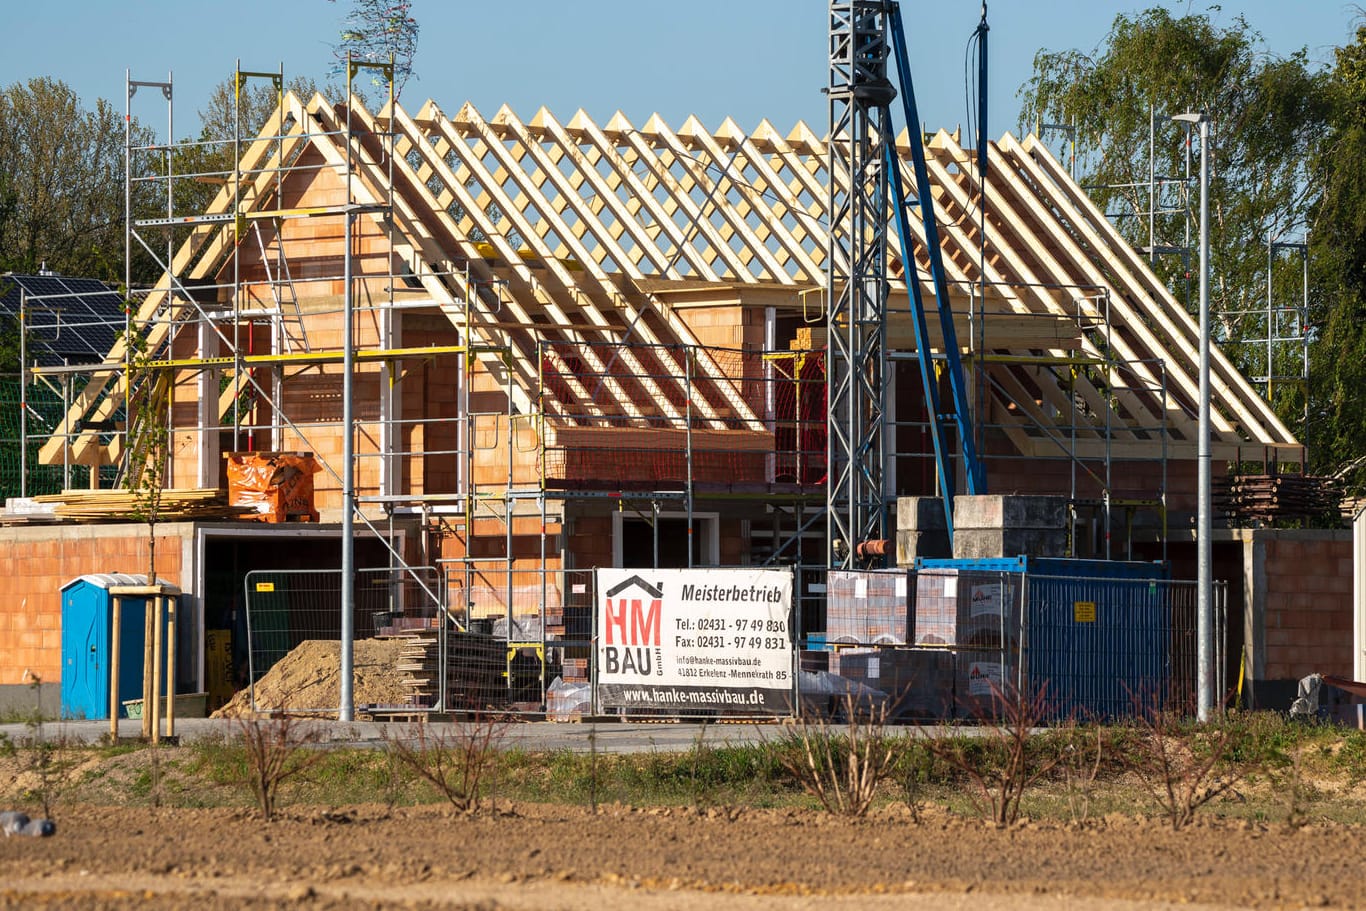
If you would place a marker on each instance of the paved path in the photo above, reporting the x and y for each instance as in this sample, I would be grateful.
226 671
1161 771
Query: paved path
608 736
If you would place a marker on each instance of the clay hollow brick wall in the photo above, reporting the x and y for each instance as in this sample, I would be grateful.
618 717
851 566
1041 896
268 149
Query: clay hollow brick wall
1308 607
34 565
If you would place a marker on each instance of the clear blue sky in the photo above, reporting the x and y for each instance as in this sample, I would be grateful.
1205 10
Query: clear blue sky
749 59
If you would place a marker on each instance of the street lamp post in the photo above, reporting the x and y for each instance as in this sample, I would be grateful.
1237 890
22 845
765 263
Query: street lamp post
1204 611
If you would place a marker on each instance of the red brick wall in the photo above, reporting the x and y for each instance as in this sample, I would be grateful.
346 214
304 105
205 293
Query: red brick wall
1308 619
34 565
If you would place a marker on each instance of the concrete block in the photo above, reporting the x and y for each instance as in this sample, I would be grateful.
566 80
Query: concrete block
920 514
971 543
912 544
1009 511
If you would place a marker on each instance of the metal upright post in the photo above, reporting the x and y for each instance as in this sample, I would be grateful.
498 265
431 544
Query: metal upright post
23 393
1204 612
346 711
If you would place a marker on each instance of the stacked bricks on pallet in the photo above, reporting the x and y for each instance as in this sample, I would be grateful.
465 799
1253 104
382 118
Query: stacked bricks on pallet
918 683
867 607
277 485
874 609
475 666
977 614
570 629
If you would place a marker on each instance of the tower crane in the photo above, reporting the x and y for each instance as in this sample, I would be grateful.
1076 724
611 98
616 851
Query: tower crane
864 36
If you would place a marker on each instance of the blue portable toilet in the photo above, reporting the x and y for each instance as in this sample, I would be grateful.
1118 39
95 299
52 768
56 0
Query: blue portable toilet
87 628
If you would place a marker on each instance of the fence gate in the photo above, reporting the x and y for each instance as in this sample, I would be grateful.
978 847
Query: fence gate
294 638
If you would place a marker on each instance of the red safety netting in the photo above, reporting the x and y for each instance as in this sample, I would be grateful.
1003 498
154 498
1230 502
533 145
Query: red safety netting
639 417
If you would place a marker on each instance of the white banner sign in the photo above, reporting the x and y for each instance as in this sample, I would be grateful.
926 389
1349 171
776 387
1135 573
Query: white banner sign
687 639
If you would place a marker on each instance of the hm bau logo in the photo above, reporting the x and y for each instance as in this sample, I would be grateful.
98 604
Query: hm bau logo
631 621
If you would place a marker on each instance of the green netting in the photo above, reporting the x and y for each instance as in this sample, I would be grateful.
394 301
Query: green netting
45 412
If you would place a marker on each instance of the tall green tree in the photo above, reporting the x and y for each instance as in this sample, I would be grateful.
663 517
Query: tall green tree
61 181
1268 115
1337 426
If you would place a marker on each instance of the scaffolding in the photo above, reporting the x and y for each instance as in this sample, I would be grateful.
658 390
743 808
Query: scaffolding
1274 338
543 347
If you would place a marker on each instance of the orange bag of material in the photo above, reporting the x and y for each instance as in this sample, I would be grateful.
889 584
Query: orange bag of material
277 485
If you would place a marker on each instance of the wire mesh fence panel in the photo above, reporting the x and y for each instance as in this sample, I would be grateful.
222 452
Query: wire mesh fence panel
947 642
294 633
1109 648
511 635
569 635
21 439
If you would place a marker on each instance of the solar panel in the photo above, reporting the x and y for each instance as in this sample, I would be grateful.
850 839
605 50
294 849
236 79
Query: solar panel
71 320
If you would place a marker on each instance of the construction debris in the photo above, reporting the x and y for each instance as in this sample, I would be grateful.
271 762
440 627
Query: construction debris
13 822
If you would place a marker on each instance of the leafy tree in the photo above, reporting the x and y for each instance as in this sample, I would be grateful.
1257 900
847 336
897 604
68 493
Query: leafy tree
1337 426
61 181
251 109
149 443
1267 114
375 31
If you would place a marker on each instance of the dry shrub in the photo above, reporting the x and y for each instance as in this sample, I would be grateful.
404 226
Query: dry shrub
458 762
276 750
841 765
1081 749
1183 768
1000 762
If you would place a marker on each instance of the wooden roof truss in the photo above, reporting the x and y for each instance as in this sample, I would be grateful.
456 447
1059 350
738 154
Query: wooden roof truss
542 235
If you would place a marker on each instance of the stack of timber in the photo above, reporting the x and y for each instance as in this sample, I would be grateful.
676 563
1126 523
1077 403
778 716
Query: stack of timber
417 666
1255 500
121 505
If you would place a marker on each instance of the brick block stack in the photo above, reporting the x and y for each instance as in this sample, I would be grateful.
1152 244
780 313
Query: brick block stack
966 609
867 607
919 683
975 618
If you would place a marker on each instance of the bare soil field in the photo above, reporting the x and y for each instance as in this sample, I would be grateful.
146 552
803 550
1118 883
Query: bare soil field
525 856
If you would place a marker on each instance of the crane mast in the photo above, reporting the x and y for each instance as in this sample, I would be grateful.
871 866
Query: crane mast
859 95
866 196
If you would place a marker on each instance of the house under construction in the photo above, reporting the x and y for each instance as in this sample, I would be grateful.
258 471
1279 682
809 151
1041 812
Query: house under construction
559 344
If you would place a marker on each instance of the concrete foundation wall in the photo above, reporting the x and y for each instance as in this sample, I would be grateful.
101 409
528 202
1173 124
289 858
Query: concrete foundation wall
20 702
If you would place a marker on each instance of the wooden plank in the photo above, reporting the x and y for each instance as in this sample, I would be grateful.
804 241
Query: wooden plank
1231 387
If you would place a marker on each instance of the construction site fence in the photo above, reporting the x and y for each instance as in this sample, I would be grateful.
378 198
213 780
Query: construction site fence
957 643
27 415
923 645
294 634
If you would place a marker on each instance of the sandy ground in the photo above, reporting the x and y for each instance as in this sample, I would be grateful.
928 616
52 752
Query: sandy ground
559 857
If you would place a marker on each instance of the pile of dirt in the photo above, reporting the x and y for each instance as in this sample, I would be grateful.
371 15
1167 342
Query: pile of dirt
309 678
